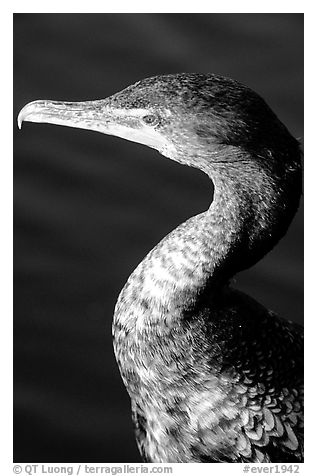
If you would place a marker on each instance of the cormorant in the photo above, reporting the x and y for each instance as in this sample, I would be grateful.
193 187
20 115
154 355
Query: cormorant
213 376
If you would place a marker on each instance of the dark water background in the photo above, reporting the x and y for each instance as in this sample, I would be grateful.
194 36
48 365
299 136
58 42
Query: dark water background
89 207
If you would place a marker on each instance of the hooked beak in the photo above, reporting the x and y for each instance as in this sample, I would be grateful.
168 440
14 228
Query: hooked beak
95 115
100 115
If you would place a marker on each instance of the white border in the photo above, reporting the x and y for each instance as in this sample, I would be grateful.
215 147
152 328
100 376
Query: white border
6 192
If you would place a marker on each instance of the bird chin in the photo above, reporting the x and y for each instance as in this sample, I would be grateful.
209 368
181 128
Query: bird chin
146 136
167 150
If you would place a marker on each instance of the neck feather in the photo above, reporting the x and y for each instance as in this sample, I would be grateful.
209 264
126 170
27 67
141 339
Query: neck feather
248 215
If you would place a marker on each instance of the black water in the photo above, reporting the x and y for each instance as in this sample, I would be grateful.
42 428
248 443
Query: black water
89 207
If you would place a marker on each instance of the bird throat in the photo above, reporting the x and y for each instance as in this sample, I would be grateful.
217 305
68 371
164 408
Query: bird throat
200 255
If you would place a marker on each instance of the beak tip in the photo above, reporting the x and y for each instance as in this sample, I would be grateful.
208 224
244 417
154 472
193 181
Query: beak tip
27 112
21 118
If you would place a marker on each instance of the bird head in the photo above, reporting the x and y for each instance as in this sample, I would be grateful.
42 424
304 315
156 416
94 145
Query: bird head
191 118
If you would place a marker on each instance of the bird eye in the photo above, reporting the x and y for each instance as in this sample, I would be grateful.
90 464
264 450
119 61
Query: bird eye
150 119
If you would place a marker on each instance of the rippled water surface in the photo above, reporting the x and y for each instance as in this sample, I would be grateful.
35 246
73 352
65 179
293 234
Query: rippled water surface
89 207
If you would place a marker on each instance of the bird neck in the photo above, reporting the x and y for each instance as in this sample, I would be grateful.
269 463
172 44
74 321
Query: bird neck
249 213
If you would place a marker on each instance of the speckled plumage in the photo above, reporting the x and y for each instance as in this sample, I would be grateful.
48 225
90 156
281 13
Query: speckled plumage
212 375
